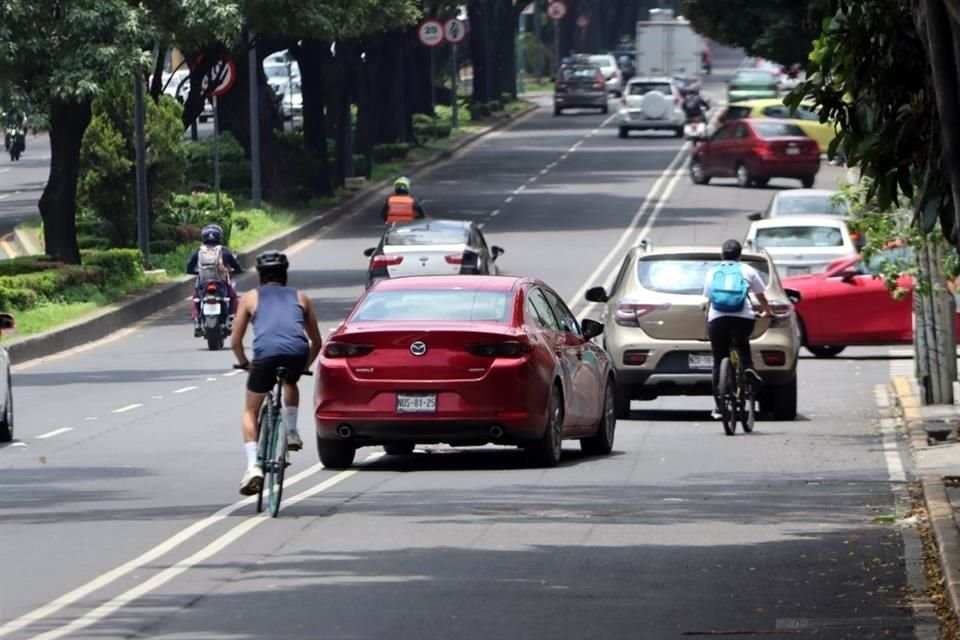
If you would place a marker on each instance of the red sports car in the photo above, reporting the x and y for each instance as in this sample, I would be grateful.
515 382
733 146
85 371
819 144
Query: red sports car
463 360
849 304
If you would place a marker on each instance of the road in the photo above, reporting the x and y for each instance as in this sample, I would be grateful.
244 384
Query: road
21 184
117 501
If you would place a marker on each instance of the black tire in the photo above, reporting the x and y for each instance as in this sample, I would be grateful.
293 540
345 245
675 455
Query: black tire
547 451
399 448
262 449
783 401
728 409
335 454
601 443
214 339
557 111
749 415
808 181
621 400
744 179
826 350
624 132
678 132
696 173
278 469
605 109
761 182
6 423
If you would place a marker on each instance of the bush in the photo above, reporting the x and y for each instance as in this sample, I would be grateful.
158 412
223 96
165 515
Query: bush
50 285
26 264
241 222
391 151
200 209
478 111
494 105
17 299
421 119
162 246
118 265
234 166
360 165
92 242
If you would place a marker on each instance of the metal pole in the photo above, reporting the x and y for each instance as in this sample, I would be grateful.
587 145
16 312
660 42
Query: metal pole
216 150
521 45
556 46
455 107
143 212
433 88
255 187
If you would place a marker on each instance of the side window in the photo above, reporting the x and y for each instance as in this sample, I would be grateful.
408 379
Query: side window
723 133
567 320
776 111
541 310
740 132
479 241
624 269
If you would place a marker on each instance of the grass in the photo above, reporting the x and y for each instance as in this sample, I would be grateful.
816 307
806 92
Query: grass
537 85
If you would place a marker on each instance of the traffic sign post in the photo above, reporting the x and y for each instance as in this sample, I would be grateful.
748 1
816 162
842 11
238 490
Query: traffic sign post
218 81
556 10
454 32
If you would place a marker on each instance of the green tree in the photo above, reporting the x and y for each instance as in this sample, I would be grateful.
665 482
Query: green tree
108 180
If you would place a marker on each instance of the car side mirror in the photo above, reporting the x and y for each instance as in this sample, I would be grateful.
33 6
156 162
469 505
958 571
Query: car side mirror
369 252
497 251
591 328
793 295
596 294
848 274
7 322
756 215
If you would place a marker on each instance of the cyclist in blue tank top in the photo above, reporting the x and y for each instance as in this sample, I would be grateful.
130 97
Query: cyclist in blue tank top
285 334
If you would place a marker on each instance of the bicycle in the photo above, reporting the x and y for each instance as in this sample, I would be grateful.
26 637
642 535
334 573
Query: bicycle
738 393
272 443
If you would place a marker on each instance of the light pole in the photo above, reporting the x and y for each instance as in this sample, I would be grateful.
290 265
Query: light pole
521 64
143 212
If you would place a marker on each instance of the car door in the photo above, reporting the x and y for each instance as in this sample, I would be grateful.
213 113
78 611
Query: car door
737 148
478 242
714 149
565 349
587 380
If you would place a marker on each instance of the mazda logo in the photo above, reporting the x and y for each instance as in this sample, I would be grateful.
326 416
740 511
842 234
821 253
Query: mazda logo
418 348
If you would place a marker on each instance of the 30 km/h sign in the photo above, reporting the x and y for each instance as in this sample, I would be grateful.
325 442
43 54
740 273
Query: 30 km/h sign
220 78
454 31
430 33
556 10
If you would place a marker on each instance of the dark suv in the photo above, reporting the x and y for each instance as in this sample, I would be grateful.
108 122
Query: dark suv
580 85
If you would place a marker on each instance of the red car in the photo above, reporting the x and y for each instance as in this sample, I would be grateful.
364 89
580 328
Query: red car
849 304
755 150
463 360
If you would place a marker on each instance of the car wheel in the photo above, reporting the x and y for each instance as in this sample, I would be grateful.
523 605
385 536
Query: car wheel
624 132
6 424
335 454
743 175
807 181
780 401
678 132
546 451
761 182
605 109
697 174
399 448
826 350
557 111
601 443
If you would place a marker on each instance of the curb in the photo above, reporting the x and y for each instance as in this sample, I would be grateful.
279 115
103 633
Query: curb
907 403
139 306
947 536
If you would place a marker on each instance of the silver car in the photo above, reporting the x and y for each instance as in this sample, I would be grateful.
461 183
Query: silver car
651 103
802 244
610 70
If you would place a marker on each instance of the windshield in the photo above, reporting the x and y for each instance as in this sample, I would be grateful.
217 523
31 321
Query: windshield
753 77
602 61
777 129
812 236
407 236
579 73
434 305
685 275
810 204
642 88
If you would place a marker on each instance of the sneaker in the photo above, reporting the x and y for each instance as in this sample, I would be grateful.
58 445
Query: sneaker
715 414
197 331
252 481
294 443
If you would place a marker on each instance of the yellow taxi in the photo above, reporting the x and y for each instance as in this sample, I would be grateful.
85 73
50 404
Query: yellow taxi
803 117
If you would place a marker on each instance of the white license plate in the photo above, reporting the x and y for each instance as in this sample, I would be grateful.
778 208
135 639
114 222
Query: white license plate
211 309
416 403
793 151
700 361
798 271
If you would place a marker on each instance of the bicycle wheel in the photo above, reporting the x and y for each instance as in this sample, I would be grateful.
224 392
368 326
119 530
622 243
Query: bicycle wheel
262 447
728 405
278 465
749 413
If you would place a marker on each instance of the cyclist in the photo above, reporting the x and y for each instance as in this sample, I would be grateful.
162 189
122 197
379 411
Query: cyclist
212 262
731 316
285 334
401 206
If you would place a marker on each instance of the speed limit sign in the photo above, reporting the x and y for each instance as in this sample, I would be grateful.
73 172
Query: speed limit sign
556 10
430 32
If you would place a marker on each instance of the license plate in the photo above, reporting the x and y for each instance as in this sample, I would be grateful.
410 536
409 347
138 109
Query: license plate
793 151
211 309
700 360
416 403
798 271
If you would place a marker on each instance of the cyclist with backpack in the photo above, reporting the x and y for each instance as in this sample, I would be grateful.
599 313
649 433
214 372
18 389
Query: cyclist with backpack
730 316
213 262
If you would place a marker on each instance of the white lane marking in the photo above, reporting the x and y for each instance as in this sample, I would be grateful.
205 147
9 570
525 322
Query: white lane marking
509 199
544 172
4 170
183 389
91 418
532 179
211 379
129 407
211 549
482 225
16 444
564 156
156 397
551 165
235 372
888 428
616 252
5 196
55 432
519 189
495 213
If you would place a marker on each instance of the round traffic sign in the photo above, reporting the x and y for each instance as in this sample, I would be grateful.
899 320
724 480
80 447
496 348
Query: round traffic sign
556 10
454 31
430 32
583 21
220 78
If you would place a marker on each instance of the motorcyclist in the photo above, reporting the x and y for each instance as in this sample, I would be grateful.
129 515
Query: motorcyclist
213 262
401 206
694 106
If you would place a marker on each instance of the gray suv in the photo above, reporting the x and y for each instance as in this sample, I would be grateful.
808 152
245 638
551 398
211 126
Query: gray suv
580 85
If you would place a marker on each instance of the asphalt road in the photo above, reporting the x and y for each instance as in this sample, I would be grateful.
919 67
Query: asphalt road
21 184
117 501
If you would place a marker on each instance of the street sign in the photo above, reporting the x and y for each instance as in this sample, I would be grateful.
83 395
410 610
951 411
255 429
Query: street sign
430 33
556 10
583 21
221 76
454 31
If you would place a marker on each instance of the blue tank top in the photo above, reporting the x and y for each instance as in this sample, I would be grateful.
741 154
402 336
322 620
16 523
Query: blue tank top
278 324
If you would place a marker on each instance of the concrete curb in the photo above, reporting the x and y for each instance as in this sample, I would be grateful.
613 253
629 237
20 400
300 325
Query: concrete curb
139 306
947 536
907 402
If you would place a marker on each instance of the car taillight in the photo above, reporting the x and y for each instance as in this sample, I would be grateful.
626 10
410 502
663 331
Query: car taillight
454 258
635 357
386 261
774 358
506 349
628 312
346 349
763 149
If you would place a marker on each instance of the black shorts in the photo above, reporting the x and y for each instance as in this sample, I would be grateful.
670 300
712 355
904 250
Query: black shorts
263 373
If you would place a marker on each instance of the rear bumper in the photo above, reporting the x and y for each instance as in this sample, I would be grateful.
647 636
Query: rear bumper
633 119
782 169
599 99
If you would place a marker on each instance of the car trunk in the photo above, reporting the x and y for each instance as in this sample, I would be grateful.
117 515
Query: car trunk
439 259
794 148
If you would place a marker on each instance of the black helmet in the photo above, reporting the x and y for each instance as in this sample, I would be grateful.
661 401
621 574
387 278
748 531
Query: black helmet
212 234
272 261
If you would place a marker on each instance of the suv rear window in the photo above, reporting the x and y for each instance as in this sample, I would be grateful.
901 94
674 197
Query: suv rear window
777 129
821 236
579 73
685 275
434 305
642 88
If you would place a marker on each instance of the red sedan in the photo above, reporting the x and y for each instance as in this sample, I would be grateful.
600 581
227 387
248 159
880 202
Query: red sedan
754 151
463 360
849 304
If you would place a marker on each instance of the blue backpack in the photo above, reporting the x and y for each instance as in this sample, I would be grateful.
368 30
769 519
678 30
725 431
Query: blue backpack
728 289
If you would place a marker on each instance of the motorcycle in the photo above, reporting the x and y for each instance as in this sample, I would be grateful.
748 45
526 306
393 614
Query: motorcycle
17 145
695 129
215 320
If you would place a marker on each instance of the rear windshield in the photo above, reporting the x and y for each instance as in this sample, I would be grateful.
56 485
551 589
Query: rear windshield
603 61
812 236
753 77
434 305
406 236
579 73
811 204
777 129
685 275
641 88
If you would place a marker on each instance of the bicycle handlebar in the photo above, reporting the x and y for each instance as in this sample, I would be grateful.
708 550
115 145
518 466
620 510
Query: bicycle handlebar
247 368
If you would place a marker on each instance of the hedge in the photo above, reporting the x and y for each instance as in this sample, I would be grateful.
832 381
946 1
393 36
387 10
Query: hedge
388 152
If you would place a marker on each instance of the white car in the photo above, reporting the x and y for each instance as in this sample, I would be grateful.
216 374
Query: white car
290 97
431 247
611 72
801 244
651 103
791 202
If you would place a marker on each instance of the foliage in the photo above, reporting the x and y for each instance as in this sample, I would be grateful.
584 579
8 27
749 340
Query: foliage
234 166
393 151
331 20
118 265
199 209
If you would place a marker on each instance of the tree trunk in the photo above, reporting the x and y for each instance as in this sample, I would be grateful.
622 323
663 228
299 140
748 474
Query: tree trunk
421 77
479 14
311 56
346 62
58 204
156 83
202 62
368 108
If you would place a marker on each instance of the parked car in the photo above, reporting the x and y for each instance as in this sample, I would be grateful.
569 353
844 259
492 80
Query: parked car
804 117
849 304
754 151
579 85
656 329
465 361
7 323
747 84
610 70
431 247
802 244
649 104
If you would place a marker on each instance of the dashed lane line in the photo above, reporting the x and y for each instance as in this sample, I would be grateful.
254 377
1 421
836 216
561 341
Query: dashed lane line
495 213
184 389
235 372
55 432
129 407
509 199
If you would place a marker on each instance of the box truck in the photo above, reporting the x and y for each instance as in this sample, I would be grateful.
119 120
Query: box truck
667 47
